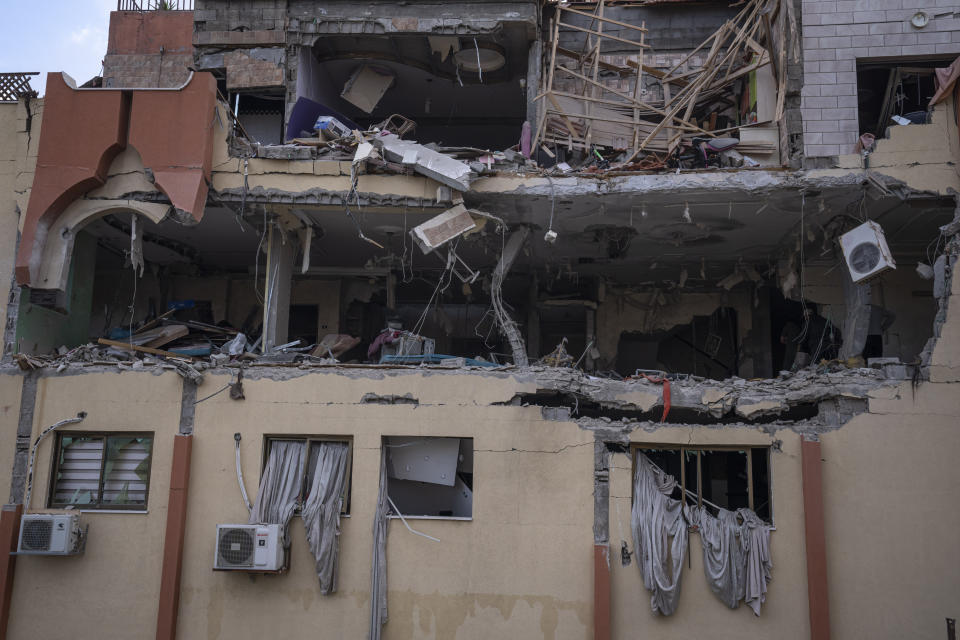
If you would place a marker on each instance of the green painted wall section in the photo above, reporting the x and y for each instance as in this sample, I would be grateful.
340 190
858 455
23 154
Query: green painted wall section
41 330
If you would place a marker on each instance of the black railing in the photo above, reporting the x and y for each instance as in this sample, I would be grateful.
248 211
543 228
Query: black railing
154 5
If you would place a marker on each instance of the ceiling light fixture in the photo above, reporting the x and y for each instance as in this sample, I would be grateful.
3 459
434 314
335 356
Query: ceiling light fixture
483 58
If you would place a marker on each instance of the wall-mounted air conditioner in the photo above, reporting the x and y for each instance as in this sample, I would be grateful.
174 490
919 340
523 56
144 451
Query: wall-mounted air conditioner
866 251
249 547
51 534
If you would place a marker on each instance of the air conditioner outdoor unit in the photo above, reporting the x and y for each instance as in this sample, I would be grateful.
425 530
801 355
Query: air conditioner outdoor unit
866 251
51 534
249 547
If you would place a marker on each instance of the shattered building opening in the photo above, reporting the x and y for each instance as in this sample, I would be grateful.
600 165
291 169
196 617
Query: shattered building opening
430 477
460 91
895 93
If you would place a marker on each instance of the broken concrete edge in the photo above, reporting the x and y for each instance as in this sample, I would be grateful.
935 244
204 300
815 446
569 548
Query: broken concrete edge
562 393
757 182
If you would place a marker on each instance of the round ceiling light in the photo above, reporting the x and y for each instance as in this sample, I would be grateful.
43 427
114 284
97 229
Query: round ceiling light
483 58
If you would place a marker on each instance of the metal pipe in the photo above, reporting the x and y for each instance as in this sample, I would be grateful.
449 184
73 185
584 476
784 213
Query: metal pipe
33 452
243 489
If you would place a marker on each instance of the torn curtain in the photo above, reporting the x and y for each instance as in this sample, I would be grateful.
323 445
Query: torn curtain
378 563
280 485
321 511
659 535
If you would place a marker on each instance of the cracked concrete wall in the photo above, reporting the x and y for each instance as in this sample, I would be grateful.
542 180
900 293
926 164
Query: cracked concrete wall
700 613
19 135
117 580
494 576
534 481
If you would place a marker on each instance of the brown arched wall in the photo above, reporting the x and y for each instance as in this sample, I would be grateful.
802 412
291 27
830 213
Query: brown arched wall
83 130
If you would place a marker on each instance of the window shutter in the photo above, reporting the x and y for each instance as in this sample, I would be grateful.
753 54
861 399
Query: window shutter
78 480
124 480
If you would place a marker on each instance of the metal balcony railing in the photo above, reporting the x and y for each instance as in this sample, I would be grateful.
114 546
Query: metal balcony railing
154 5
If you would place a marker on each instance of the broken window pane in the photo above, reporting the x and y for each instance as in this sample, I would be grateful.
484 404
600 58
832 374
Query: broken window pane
724 477
102 472
430 477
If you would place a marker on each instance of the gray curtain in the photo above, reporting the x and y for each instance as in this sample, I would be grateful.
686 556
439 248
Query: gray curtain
321 511
280 485
658 522
378 564
723 561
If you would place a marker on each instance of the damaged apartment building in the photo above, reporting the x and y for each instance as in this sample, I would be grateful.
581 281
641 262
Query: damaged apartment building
516 318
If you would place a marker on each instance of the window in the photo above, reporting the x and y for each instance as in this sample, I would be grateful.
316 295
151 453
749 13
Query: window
102 471
727 477
430 477
314 445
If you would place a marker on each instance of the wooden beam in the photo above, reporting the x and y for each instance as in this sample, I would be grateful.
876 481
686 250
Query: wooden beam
126 346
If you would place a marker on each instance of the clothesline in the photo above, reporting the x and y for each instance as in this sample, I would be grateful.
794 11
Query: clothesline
692 494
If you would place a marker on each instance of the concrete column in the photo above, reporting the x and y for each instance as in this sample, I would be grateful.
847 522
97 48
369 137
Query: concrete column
815 537
169 601
9 534
281 251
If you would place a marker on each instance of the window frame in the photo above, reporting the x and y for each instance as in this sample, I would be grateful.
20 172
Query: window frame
310 439
637 447
99 506
384 440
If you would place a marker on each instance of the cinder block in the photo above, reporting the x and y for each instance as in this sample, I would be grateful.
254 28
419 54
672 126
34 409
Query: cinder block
919 49
847 77
813 138
838 42
820 7
809 113
884 51
838 90
838 65
811 66
868 41
852 29
836 18
886 27
820 54
811 89
839 114
821 78
876 5
822 126
899 39
861 17
946 48
821 102
822 150
819 31
936 37
847 101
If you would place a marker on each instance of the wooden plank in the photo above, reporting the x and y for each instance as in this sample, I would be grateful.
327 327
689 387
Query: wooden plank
126 346
157 320
160 336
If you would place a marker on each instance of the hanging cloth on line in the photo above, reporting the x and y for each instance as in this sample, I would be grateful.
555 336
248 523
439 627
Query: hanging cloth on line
659 535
